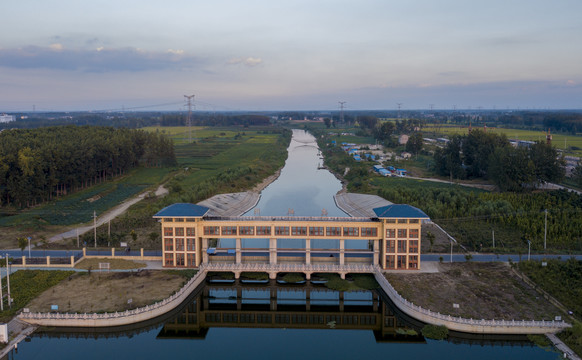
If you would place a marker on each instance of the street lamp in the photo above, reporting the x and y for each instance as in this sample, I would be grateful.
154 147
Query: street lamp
29 248
528 250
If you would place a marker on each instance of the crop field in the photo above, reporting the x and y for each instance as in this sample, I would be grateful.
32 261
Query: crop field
569 142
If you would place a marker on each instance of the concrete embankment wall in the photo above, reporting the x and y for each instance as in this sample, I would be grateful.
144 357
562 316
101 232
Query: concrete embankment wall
467 325
116 319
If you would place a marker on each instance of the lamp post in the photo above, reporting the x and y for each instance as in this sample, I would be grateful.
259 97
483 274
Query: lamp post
29 247
528 250
8 280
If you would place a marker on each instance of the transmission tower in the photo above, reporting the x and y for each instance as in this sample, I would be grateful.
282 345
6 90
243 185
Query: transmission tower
189 99
341 103
399 106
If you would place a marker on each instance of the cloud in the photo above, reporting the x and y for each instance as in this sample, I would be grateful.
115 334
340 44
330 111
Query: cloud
250 61
100 59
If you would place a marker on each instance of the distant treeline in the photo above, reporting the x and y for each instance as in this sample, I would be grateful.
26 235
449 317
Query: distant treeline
138 120
38 165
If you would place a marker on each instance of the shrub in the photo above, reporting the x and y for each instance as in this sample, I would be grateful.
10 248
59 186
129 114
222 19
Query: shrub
435 332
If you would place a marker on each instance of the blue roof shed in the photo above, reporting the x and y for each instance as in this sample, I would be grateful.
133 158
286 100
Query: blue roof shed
399 211
182 210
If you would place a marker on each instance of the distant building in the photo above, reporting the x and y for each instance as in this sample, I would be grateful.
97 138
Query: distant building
6 118
403 139
406 155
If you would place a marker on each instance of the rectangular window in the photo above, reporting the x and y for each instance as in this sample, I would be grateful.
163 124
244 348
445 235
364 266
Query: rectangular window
168 231
413 233
401 262
333 231
263 230
169 244
351 231
179 231
191 260
413 262
190 231
390 263
168 220
391 246
191 244
369 232
179 244
190 219
246 230
401 233
282 230
391 233
179 219
169 259
402 246
413 246
229 230
179 259
413 221
211 230
403 221
298 230
315 231
391 221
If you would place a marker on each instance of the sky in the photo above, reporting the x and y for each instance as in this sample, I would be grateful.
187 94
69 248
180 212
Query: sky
64 55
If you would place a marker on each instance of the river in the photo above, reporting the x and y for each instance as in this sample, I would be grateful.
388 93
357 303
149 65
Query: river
274 321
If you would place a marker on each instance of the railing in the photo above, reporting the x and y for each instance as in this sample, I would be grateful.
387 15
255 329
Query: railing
289 218
325 268
176 298
413 309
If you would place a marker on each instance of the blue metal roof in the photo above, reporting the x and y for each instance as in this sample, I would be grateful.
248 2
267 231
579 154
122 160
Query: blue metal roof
400 211
182 210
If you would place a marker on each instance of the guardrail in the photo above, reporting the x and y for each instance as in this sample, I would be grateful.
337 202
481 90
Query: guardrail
117 318
463 324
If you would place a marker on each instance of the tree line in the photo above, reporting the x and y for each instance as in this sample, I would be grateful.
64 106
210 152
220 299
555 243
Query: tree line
37 165
491 156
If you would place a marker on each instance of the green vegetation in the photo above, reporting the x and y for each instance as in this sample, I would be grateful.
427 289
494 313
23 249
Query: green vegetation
359 282
573 337
221 275
293 278
541 341
255 275
25 285
186 273
561 279
435 332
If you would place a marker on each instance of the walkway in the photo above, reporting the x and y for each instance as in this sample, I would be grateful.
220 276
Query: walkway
564 349
17 331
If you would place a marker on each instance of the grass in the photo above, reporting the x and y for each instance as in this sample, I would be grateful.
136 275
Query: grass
482 290
109 292
114 264
27 285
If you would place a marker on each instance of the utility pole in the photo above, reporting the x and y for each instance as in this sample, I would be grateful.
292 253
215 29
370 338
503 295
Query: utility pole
189 99
1 294
8 281
341 103
493 233
95 226
545 228
528 250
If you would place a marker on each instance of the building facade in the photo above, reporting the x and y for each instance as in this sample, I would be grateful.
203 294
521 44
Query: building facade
392 239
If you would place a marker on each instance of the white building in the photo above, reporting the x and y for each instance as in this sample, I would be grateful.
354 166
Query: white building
6 118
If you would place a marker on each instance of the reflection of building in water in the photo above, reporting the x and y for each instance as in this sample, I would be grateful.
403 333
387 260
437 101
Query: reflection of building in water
300 307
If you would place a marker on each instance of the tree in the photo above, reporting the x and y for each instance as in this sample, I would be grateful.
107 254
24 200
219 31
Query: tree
577 174
22 243
415 142
384 131
511 169
327 122
549 167
448 159
477 147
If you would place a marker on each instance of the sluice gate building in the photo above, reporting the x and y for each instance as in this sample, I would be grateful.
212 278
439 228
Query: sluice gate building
190 237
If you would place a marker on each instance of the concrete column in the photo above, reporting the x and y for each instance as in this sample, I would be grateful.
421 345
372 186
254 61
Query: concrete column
341 301
238 253
376 256
308 299
273 301
24 261
198 255
84 252
307 251
205 295
239 298
204 251
72 261
48 260
112 252
141 252
341 252
272 251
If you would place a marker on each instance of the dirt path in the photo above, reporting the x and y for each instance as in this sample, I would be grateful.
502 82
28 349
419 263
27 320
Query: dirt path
108 215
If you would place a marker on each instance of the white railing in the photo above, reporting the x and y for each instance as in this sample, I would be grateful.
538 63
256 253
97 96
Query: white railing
259 267
413 309
176 298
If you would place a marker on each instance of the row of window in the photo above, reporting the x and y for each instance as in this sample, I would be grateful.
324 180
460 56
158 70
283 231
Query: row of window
178 244
402 221
190 231
402 233
181 259
400 262
412 246
293 231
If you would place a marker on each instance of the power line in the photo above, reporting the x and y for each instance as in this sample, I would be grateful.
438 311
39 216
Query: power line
189 97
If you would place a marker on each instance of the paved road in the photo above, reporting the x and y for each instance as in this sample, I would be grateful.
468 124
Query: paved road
493 257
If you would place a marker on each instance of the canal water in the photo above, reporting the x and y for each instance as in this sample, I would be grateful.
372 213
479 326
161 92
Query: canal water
278 321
